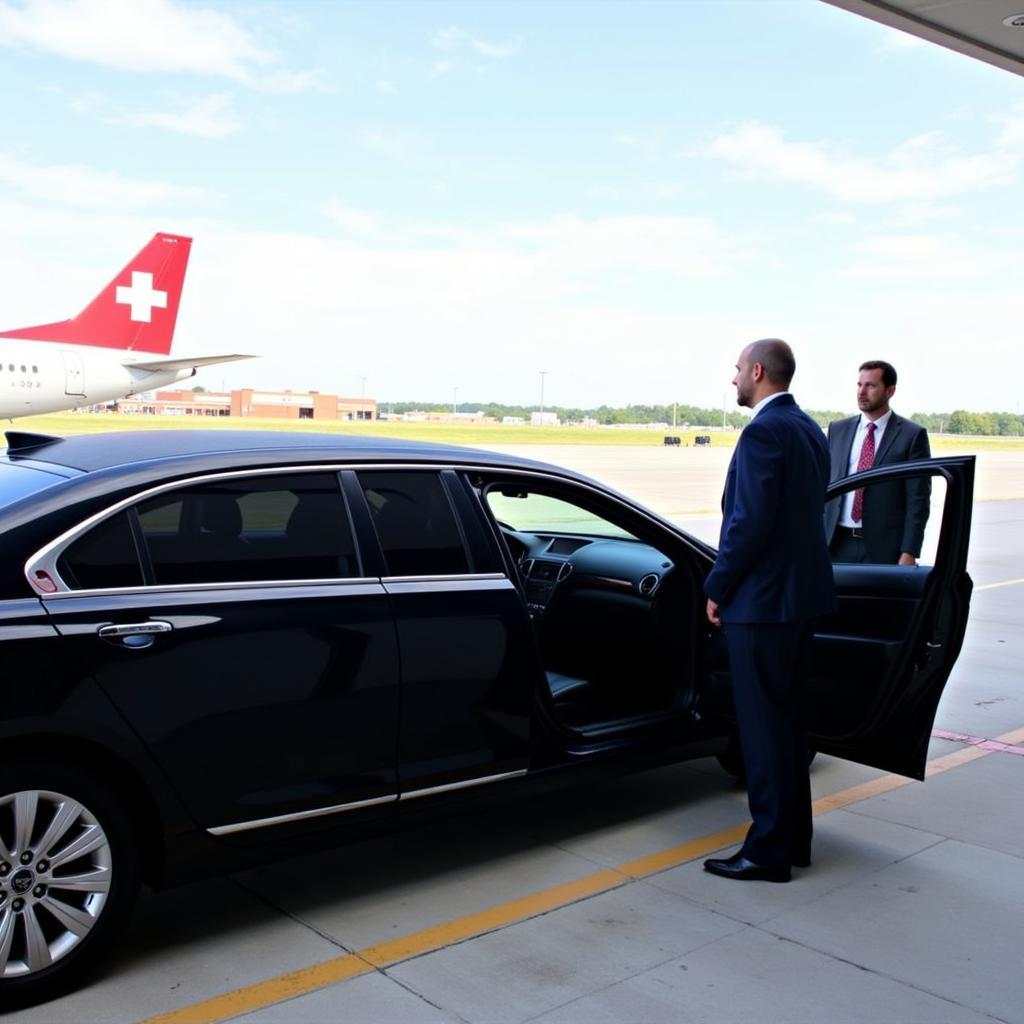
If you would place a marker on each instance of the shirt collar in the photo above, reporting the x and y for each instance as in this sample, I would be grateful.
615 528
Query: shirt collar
764 401
880 424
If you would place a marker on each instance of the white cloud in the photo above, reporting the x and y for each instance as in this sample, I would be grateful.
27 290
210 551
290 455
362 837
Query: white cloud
150 36
455 41
144 35
924 167
1011 137
84 187
924 258
207 117
453 38
395 147
837 217
290 83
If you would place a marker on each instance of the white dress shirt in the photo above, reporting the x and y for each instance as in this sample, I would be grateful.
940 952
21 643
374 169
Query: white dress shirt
764 401
846 513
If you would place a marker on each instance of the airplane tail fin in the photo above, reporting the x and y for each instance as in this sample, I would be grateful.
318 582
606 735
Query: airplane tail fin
136 311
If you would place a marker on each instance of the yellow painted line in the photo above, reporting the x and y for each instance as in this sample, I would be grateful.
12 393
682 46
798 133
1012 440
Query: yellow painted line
351 965
995 586
676 855
1016 736
266 993
471 925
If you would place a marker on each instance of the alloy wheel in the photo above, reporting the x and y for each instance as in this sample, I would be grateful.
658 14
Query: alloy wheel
55 876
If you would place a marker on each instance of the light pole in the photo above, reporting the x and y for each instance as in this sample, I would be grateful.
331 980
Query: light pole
362 387
543 374
455 401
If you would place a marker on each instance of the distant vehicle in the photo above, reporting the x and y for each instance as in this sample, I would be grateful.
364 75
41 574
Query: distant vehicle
702 439
224 646
672 440
112 349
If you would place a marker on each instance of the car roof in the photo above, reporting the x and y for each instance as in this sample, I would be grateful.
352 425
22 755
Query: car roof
90 453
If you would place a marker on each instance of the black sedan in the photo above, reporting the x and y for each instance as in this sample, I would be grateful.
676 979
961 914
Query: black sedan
224 646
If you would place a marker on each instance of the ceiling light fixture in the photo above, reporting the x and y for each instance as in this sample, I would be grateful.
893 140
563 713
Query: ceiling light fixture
1014 21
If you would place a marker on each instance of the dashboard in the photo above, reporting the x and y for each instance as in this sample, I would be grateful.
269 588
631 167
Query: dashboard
546 560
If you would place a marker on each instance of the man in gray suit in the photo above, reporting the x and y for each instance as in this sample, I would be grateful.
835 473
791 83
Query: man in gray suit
882 524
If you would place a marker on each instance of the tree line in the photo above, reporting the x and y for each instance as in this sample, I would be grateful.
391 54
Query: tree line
960 421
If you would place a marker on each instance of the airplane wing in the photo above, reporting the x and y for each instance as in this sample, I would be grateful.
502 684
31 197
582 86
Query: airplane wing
155 365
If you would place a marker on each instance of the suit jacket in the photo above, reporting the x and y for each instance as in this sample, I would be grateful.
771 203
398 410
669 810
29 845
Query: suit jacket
895 514
773 563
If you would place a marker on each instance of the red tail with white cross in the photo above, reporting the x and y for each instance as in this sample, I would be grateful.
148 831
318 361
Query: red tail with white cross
136 311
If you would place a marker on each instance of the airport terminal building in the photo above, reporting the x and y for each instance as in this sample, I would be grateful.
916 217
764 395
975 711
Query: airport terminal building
243 402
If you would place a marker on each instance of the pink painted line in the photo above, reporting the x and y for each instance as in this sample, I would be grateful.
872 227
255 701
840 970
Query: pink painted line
978 741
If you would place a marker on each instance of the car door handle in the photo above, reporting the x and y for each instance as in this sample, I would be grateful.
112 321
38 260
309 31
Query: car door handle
134 634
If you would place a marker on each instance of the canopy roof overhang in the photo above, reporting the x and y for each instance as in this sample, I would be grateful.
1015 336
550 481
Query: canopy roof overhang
984 29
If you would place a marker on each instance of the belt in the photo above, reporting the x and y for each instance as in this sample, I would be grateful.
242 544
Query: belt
851 531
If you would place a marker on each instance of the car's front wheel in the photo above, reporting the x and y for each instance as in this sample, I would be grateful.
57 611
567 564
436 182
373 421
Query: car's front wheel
69 874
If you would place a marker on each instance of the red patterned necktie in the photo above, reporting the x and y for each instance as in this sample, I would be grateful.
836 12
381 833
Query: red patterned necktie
867 458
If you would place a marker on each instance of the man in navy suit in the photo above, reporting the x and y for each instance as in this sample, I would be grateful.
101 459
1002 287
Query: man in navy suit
771 581
885 525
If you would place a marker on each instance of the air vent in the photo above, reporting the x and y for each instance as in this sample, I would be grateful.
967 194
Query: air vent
564 572
649 584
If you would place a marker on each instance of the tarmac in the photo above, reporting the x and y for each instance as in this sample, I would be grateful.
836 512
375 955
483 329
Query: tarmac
591 904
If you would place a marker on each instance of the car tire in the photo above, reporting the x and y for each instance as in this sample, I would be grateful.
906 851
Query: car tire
69 875
731 759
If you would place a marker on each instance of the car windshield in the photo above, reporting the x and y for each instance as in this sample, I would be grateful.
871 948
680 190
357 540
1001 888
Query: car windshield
19 481
532 512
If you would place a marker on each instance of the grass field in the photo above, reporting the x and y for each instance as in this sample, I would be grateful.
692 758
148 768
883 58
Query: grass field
479 434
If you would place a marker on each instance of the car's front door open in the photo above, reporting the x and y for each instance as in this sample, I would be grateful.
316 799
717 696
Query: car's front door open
881 661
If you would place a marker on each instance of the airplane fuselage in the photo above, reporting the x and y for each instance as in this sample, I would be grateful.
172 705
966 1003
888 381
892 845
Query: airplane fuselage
39 376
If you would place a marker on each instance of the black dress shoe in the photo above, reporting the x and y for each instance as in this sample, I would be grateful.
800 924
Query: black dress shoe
801 860
737 866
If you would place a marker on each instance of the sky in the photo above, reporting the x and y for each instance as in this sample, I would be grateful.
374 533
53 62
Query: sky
467 202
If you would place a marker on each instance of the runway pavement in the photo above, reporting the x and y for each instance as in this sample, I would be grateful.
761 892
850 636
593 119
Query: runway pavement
591 905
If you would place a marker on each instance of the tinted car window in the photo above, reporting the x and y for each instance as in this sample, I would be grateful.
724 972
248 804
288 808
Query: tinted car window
105 557
415 524
272 527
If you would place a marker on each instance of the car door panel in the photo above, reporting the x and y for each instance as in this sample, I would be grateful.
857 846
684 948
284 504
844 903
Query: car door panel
468 662
881 661
258 702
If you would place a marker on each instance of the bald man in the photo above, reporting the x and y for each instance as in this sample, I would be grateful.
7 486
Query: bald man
770 583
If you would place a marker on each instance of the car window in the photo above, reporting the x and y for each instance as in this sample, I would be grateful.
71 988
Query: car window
270 527
415 523
105 557
889 519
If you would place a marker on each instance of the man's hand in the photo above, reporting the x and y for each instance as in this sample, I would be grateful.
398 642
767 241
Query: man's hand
907 559
713 613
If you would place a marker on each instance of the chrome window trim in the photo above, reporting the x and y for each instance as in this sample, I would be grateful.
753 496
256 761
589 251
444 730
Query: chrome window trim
283 819
446 584
45 559
346 586
480 780
443 577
